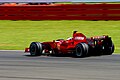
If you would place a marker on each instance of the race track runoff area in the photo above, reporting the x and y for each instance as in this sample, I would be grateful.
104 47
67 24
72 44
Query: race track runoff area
17 65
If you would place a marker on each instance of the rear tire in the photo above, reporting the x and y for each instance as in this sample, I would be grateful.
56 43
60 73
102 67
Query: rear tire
36 49
82 50
108 49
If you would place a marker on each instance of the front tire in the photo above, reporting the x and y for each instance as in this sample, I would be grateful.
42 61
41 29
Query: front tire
36 49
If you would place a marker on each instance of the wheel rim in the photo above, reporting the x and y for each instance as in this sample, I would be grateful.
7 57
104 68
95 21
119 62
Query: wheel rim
78 51
33 49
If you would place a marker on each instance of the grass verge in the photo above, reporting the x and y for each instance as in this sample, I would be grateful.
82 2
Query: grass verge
16 35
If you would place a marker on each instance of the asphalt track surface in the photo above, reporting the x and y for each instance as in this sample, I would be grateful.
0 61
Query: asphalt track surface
16 65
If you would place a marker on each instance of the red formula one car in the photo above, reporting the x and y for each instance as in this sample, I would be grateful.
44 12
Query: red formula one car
79 46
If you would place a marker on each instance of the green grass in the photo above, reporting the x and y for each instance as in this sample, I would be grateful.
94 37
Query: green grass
16 35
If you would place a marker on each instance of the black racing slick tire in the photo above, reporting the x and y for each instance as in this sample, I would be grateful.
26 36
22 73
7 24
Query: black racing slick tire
108 49
81 50
36 49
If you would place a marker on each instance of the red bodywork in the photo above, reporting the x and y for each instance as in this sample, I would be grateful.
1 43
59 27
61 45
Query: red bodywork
67 46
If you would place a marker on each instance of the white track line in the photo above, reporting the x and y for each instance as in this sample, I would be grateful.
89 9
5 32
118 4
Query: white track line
13 50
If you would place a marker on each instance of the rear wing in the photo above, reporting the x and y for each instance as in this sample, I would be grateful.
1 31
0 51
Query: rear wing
100 37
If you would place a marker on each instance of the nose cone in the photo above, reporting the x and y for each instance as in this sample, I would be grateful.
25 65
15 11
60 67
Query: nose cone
27 50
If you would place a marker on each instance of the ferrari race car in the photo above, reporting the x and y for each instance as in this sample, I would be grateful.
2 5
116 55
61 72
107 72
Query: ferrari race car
78 46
